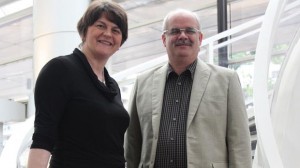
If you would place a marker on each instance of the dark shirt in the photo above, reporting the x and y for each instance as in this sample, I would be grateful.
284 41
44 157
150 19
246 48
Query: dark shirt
171 147
79 120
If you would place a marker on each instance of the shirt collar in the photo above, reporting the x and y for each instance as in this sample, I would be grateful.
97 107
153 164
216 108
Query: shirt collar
191 68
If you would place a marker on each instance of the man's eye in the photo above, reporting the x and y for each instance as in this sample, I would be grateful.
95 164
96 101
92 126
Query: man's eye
175 31
190 31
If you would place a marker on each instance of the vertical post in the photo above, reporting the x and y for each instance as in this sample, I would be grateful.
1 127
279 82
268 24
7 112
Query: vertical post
1 137
222 26
54 29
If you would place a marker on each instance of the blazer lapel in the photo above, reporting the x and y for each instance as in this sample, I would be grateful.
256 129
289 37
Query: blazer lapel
200 81
159 80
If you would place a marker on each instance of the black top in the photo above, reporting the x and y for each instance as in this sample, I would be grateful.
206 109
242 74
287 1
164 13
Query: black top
78 119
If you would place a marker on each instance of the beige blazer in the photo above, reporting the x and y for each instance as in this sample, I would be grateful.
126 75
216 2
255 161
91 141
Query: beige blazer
217 124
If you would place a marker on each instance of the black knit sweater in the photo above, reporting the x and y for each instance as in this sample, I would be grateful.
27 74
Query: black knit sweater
78 119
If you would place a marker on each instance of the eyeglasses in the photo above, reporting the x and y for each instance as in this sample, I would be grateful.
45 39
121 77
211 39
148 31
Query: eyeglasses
177 31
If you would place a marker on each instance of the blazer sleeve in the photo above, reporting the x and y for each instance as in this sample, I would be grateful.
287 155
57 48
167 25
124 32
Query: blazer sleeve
133 137
238 135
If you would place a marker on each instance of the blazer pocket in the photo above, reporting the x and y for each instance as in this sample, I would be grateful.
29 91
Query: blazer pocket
213 105
219 165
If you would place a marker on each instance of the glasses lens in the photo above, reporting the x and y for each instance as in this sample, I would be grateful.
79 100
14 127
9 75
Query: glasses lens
175 31
190 30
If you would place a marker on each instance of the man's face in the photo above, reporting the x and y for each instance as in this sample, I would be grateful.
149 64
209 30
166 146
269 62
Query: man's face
182 38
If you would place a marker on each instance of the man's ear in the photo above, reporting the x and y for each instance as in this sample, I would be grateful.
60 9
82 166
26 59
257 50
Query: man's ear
163 37
200 38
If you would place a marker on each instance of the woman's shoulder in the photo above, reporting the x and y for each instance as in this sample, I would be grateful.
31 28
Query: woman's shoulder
61 62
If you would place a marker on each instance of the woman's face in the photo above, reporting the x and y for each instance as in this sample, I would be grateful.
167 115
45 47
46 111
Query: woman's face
102 39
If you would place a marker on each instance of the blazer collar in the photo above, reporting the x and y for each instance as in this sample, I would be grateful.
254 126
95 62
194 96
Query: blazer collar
159 80
200 82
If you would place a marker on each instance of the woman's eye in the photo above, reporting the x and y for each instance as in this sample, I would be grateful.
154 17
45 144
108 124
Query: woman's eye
116 31
100 26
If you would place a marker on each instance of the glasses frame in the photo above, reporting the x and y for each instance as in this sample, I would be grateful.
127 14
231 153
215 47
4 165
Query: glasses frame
168 32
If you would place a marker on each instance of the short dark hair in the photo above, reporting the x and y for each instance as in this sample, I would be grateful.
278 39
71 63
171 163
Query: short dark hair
113 12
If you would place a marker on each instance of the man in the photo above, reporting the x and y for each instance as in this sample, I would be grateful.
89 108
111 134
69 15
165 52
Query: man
187 114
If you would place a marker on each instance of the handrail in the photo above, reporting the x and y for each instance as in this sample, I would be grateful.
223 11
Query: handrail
207 46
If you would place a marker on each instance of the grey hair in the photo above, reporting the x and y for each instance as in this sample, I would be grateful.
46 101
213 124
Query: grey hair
166 19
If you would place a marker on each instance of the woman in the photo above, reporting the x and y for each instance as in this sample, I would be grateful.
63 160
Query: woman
80 120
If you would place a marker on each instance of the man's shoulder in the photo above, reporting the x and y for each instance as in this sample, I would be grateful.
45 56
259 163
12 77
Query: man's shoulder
150 72
218 69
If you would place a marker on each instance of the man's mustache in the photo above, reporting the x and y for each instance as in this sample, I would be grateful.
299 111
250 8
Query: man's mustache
183 42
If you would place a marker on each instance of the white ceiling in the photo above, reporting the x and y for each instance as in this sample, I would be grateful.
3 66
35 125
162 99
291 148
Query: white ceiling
144 43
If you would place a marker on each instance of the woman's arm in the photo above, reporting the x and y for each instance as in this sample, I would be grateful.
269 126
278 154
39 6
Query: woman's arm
38 158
